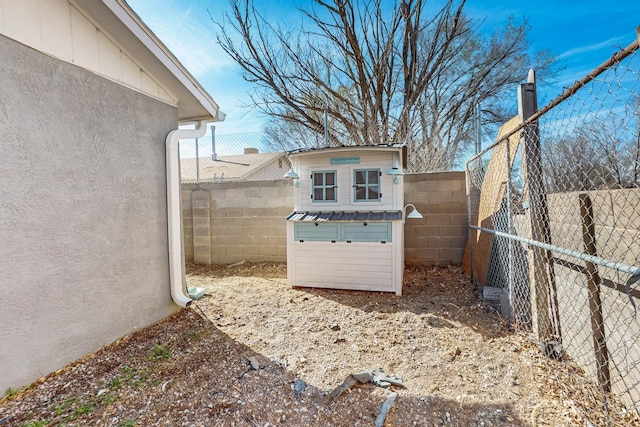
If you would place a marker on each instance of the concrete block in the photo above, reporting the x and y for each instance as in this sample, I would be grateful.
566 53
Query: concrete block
439 242
458 219
409 253
201 231
225 259
233 212
277 241
250 250
277 222
225 221
284 211
226 240
259 222
234 231
452 231
251 212
243 240
453 254
242 222
426 230
451 186
233 250
261 240
438 220
202 258
268 250
201 203
251 231
266 212
451 208
202 241
200 213
427 253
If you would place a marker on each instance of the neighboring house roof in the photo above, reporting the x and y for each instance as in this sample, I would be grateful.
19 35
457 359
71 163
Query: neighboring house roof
244 167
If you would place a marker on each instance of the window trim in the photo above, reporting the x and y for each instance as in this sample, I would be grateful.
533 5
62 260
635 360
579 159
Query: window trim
367 185
324 186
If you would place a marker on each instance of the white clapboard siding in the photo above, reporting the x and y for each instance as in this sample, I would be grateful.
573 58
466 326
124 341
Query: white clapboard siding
341 265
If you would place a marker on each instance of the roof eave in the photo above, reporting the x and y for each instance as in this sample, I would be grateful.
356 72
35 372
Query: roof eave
122 23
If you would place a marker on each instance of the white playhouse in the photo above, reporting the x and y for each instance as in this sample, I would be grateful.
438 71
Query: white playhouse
346 230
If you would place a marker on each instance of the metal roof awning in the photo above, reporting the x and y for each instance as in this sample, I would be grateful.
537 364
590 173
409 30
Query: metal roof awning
346 216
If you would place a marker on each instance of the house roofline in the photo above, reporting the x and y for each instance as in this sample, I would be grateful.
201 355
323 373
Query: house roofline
150 47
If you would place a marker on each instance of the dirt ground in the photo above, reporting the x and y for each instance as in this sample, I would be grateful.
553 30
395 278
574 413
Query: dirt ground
254 352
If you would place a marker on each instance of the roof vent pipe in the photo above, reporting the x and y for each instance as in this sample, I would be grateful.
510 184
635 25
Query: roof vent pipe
214 156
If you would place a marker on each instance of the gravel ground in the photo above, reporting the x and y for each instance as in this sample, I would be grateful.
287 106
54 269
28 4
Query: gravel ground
255 352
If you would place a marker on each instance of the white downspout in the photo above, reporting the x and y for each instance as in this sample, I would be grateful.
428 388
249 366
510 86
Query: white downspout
178 287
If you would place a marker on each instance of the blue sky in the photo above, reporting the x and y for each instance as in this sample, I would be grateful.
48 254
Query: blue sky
583 33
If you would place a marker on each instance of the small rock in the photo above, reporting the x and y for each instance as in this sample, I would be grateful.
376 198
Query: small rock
334 327
102 391
298 388
254 363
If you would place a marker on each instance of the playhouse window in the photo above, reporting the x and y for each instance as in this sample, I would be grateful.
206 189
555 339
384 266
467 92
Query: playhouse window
367 184
324 186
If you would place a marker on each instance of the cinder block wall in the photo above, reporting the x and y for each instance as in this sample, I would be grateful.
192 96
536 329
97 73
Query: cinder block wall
440 237
230 222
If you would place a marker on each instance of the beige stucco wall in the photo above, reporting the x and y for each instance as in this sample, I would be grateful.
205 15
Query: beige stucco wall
83 241
231 222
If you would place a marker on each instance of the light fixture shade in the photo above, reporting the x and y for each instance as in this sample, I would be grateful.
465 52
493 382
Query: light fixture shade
395 170
291 174
415 214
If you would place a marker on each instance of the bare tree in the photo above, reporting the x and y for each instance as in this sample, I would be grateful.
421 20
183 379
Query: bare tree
603 153
381 73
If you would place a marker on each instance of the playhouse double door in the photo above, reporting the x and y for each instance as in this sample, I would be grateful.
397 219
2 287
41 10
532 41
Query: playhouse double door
353 255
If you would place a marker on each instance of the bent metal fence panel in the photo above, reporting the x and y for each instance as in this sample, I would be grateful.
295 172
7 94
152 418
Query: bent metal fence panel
554 214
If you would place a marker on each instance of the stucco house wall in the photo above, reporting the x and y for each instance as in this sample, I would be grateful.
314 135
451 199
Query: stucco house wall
83 241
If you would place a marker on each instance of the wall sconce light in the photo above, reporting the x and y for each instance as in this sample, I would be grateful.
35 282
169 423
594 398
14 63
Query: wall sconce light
395 171
413 214
291 173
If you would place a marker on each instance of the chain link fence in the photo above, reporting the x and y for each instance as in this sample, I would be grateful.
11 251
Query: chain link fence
554 214
231 158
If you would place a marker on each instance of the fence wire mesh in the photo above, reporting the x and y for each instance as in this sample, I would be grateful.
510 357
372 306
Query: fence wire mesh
249 156
554 214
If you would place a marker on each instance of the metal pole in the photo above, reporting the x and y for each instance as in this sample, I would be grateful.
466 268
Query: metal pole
625 268
545 317
197 163
326 127
470 238
214 156
509 230
595 303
